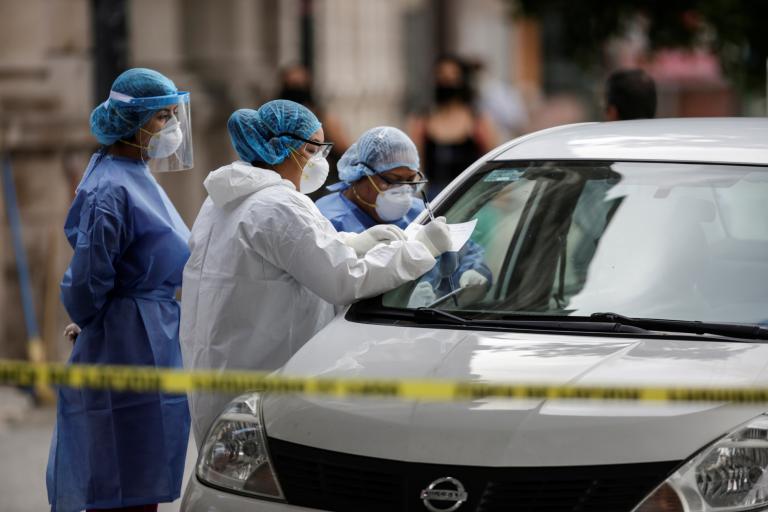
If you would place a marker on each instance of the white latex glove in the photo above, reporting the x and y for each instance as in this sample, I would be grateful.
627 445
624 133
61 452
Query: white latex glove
435 236
471 279
71 331
423 295
371 237
475 285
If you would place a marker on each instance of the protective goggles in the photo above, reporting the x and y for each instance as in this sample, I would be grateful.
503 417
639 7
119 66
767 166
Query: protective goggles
417 182
319 149
174 141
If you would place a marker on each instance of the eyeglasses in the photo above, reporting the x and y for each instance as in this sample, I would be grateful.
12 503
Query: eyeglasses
418 181
324 148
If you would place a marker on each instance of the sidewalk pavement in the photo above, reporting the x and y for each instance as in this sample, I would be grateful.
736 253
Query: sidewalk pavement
15 405
25 436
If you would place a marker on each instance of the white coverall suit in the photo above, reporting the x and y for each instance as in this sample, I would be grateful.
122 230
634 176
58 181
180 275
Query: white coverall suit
265 271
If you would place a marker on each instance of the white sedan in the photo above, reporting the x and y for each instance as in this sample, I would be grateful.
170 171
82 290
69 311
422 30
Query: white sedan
621 254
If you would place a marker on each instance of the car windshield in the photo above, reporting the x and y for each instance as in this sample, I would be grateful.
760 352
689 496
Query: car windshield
650 240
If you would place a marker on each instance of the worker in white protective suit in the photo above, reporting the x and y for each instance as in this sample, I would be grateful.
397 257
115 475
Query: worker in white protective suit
266 267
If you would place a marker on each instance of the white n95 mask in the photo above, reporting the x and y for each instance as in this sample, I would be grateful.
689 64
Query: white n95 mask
164 143
393 203
313 175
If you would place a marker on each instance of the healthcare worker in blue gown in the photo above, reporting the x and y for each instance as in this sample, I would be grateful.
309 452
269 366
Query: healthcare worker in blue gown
380 178
119 450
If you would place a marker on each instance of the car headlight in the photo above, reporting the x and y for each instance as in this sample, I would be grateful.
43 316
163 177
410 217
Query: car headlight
729 475
234 454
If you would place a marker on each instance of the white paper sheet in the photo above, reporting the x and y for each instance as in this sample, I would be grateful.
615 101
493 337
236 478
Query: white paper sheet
460 233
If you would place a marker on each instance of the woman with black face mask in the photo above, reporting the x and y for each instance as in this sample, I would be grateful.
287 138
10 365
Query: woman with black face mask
296 85
452 135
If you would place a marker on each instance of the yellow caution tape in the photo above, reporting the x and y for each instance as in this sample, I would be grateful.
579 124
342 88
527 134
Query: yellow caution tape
151 379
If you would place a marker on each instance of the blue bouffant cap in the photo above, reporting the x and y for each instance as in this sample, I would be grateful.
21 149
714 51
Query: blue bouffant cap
255 134
378 150
125 111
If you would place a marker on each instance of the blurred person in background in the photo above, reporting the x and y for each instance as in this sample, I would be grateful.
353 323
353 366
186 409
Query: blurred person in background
380 177
453 134
629 94
267 268
117 450
296 85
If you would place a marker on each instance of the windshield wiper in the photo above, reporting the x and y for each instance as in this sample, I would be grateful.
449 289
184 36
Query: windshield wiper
543 323
746 331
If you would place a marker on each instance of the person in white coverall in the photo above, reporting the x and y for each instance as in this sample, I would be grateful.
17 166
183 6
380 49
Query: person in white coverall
266 267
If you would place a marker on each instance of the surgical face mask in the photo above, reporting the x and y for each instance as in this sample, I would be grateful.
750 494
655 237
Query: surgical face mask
164 143
313 175
448 93
393 203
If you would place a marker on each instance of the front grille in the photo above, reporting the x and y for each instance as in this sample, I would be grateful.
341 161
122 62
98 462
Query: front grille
335 481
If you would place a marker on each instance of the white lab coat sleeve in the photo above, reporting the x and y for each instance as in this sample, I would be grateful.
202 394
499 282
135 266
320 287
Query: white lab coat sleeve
296 237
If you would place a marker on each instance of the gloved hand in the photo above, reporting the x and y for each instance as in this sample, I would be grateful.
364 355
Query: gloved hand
71 332
435 236
474 286
423 295
471 279
371 237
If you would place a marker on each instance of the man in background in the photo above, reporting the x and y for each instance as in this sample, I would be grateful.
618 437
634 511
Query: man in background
629 94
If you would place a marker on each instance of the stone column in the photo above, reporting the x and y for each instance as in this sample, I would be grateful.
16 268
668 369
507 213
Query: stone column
360 61
288 34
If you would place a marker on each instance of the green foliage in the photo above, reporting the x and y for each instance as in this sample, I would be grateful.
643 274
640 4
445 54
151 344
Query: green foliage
734 29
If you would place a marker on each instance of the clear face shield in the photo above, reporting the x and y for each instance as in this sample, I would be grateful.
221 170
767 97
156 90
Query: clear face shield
169 148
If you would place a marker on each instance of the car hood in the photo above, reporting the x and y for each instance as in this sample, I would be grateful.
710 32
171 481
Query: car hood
506 432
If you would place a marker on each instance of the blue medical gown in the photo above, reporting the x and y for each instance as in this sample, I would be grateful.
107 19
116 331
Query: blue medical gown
116 449
345 215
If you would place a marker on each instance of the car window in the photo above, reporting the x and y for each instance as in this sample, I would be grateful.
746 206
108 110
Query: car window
651 240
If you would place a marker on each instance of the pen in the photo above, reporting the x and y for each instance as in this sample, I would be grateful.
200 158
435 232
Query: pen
426 205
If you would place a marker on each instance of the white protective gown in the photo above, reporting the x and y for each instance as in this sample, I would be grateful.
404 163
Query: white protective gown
265 271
